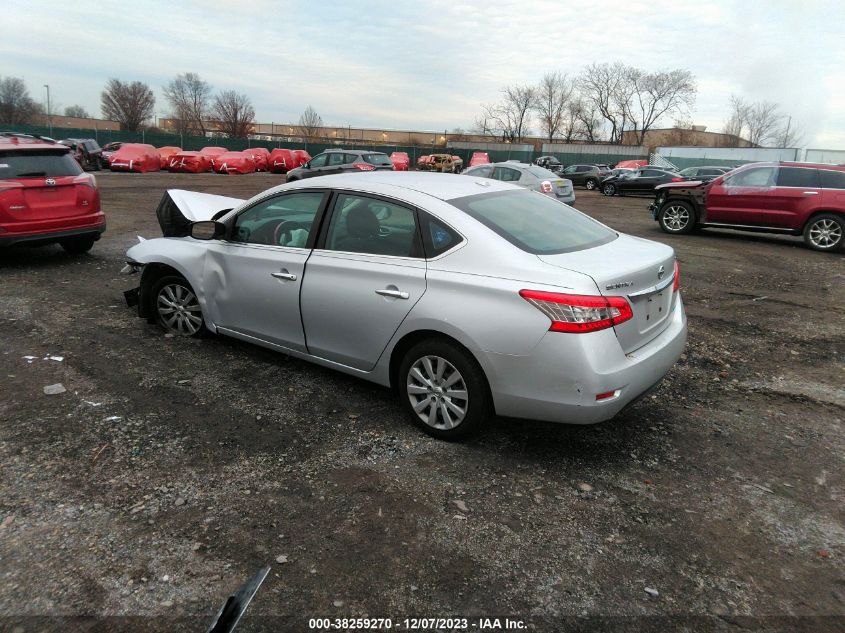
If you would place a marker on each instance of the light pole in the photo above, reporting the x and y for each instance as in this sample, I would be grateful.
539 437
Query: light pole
49 117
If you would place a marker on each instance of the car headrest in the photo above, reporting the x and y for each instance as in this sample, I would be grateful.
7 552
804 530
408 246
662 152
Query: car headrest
362 222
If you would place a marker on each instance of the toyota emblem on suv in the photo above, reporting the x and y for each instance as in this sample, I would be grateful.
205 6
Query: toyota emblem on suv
660 272
50 182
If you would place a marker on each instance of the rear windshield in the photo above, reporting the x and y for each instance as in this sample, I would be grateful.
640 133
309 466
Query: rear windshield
541 173
535 223
37 164
377 159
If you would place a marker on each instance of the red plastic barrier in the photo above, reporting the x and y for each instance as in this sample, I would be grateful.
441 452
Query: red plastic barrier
281 161
400 160
189 163
234 163
300 157
137 157
261 155
166 153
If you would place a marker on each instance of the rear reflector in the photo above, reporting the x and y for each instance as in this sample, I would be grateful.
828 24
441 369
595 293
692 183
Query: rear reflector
605 395
579 313
546 187
677 285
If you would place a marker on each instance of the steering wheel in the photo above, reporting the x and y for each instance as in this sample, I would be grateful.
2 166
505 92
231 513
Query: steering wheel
283 230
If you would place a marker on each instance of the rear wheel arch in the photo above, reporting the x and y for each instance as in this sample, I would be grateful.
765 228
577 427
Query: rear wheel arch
404 344
819 212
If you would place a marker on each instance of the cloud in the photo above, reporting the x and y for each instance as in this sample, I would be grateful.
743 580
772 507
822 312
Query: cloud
431 65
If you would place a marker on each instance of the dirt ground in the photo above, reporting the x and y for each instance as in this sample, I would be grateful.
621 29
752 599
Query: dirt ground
171 470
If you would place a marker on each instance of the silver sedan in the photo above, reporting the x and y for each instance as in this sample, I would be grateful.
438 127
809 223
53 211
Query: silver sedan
468 296
528 176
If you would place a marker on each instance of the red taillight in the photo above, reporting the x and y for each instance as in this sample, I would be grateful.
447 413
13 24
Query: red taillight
546 187
677 285
579 313
86 179
364 167
677 180
605 395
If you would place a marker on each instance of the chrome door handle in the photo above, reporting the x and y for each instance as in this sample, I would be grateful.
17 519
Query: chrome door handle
811 193
396 294
286 276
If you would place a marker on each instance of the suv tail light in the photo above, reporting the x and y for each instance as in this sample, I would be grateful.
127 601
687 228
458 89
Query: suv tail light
86 179
579 313
364 166
546 187
677 284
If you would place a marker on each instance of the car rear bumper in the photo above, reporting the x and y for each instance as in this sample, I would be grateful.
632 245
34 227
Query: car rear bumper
44 237
559 381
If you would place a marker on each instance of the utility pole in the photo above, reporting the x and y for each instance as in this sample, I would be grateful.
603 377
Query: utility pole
49 116
786 134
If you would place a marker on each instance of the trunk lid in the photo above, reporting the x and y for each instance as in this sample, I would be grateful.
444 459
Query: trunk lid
47 201
644 276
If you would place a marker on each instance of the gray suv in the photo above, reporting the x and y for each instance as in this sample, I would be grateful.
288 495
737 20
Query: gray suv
588 176
338 161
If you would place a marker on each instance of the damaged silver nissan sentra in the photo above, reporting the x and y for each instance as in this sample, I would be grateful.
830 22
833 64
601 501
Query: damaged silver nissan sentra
468 296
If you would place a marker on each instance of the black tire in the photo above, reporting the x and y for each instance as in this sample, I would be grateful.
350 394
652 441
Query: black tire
825 232
475 402
183 322
608 189
590 184
677 217
77 245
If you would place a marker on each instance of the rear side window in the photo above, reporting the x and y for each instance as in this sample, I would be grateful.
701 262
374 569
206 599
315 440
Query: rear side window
506 174
832 179
535 223
798 177
337 158
437 237
37 164
378 159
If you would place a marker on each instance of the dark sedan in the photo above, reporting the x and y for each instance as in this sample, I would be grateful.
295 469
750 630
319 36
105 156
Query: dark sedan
639 182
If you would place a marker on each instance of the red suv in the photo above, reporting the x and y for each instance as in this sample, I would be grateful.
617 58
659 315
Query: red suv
793 198
45 197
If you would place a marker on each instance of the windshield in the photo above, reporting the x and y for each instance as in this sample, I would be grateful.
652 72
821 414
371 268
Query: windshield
37 164
535 223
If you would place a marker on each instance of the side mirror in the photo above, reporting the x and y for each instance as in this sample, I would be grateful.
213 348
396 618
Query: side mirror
306 165
207 230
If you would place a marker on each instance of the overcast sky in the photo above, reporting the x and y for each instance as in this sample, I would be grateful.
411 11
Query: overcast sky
431 65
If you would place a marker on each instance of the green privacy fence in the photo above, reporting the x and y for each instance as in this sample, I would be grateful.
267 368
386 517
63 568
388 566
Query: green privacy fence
684 162
195 143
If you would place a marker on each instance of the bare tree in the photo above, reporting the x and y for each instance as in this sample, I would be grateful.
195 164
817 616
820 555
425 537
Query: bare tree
606 88
16 106
457 134
77 111
653 95
310 123
233 113
510 118
790 135
552 98
129 103
189 97
483 125
760 123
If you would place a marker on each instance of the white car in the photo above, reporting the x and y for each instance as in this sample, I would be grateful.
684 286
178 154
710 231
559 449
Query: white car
467 295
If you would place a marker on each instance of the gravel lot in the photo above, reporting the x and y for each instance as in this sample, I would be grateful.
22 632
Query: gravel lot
171 470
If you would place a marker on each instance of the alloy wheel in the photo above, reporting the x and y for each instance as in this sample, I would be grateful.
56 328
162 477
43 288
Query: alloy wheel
437 392
179 309
676 218
590 185
825 233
